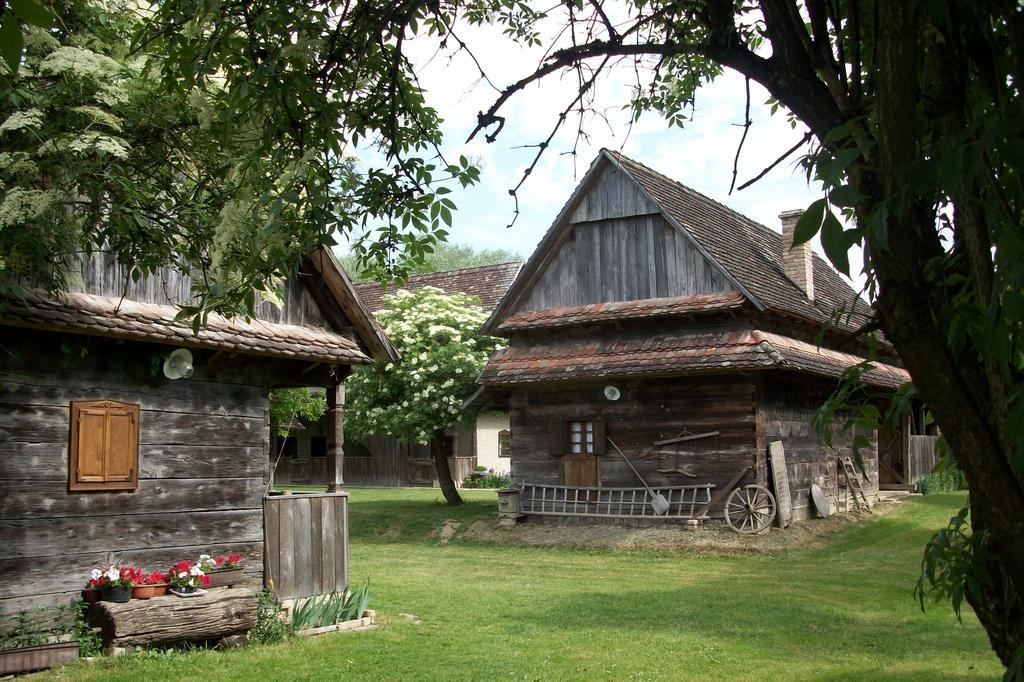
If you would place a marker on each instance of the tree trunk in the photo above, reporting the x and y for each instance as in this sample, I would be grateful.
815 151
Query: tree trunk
165 620
955 388
444 472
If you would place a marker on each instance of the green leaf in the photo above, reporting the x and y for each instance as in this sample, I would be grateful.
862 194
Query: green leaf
835 243
32 12
809 223
845 196
11 40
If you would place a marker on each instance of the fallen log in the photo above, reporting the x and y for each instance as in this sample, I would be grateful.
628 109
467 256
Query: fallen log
166 620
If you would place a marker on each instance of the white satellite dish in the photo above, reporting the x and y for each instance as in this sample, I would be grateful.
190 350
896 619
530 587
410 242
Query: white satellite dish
612 393
178 364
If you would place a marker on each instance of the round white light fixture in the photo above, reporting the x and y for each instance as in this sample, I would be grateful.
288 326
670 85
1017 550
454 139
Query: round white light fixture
178 364
612 392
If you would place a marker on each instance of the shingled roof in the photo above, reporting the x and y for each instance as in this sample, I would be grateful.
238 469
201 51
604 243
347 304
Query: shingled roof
749 251
487 282
750 254
673 354
126 319
651 308
96 312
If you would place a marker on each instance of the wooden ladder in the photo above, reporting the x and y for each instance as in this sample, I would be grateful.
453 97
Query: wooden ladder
853 484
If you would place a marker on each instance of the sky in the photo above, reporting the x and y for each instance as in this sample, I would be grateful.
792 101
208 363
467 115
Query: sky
699 155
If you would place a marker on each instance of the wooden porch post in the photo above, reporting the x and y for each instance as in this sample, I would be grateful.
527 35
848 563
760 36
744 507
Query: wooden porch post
335 436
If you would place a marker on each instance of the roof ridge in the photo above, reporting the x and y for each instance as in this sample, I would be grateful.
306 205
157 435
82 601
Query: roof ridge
442 272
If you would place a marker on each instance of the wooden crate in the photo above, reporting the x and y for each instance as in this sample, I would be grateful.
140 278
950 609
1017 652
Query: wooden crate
307 544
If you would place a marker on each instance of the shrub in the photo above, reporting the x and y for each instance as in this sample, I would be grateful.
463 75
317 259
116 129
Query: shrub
942 479
487 479
270 627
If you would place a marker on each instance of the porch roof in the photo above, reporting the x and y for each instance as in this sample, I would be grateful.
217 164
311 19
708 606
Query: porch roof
123 318
674 354
650 308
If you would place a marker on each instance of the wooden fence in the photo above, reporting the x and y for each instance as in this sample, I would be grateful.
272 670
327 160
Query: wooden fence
922 457
306 543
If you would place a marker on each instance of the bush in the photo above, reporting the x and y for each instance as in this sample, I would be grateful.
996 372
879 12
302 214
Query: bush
270 627
942 479
487 479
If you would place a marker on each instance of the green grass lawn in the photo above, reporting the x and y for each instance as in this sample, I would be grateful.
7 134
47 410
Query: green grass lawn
842 610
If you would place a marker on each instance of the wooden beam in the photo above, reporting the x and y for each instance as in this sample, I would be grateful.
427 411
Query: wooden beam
335 436
680 439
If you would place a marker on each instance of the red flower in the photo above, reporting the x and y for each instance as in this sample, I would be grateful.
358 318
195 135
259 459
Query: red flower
206 580
219 560
234 558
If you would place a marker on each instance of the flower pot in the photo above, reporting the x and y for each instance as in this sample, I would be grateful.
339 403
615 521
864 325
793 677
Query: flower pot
118 594
31 658
160 589
91 595
185 589
142 591
225 577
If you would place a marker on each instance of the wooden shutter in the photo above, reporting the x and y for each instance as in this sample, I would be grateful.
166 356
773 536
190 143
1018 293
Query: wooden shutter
599 436
556 437
104 445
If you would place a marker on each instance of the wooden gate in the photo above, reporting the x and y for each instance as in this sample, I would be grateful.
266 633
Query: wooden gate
306 544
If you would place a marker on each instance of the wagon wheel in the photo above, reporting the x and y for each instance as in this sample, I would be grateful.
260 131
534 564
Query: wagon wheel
750 509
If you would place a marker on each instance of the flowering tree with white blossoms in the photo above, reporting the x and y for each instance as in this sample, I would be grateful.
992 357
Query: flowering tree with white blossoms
420 396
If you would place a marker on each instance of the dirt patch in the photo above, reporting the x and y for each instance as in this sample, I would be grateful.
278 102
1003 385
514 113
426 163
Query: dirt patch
712 538
447 531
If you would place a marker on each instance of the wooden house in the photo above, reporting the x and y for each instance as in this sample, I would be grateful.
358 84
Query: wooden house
650 312
384 461
104 459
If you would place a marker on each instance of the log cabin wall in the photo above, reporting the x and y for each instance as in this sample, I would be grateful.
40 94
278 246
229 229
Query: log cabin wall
647 410
203 462
786 404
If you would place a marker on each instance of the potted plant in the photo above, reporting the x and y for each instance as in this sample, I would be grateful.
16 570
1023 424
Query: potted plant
186 577
91 593
37 640
158 581
227 570
115 583
141 588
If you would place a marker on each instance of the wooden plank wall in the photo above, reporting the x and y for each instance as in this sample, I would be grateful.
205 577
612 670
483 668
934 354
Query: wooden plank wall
202 461
619 248
103 275
922 457
612 194
647 411
623 259
307 544
787 402
391 464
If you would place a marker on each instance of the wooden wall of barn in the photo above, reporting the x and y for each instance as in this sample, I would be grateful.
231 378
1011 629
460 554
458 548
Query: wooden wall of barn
103 275
647 411
787 403
202 461
618 247
378 462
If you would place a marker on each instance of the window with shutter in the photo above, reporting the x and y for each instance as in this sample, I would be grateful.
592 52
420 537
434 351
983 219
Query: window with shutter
104 446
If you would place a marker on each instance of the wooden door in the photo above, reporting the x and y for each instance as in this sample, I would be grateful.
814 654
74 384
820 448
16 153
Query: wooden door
581 470
891 457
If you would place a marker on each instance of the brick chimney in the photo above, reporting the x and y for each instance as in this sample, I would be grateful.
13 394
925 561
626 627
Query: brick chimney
796 262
